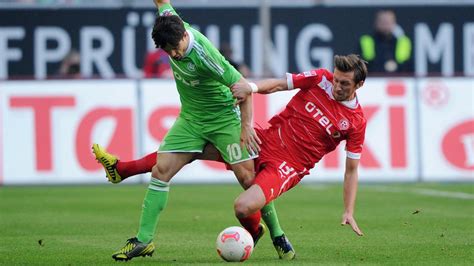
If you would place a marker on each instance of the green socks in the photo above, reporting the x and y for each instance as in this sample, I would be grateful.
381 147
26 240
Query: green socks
157 197
269 215
154 202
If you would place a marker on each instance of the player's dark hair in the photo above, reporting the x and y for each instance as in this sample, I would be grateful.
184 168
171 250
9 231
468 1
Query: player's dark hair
349 63
167 30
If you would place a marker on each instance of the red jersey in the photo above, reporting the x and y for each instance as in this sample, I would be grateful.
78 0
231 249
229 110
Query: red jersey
313 123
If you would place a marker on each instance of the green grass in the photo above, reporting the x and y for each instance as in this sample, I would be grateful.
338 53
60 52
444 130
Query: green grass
85 224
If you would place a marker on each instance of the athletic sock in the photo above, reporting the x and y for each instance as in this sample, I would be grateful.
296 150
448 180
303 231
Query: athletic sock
269 215
251 222
135 167
154 202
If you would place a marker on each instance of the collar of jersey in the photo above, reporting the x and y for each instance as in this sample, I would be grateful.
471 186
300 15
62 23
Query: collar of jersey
351 104
191 43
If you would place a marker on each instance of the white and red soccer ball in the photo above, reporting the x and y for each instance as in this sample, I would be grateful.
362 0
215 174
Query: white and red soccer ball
234 244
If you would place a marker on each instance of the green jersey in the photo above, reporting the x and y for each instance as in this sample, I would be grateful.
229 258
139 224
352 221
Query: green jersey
203 77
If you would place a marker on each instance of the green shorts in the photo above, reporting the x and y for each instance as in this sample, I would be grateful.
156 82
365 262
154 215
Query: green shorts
190 136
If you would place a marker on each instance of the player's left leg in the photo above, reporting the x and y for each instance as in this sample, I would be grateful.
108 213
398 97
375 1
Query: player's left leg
249 217
116 170
178 148
227 141
266 188
156 198
135 167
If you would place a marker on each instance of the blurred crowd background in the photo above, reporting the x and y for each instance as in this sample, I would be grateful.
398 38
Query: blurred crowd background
110 38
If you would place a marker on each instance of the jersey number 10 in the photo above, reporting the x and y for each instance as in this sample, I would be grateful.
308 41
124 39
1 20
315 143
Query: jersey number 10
234 151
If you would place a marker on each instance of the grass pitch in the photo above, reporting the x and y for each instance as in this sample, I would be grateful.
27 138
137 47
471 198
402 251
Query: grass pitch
412 224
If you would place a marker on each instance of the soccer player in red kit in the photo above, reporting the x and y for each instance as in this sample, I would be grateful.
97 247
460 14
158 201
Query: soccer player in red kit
323 113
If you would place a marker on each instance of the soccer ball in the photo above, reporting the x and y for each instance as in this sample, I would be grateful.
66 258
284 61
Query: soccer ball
234 244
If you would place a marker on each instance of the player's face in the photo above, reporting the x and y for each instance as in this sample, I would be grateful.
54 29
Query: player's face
344 86
178 52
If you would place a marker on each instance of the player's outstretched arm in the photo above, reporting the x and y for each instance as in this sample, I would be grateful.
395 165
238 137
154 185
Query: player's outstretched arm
266 86
159 3
351 177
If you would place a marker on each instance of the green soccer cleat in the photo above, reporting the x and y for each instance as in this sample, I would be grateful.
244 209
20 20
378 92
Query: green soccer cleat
109 163
262 229
134 248
284 248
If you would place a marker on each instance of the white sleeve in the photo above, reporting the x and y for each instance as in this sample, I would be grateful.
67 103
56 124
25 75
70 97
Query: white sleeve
353 155
289 81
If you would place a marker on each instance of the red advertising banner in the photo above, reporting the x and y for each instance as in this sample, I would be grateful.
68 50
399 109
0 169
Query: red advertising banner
49 127
416 130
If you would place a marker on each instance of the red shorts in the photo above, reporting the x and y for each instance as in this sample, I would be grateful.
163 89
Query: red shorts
276 173
276 177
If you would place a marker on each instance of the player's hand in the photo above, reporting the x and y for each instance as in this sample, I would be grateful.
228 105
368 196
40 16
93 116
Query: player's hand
241 90
349 219
238 102
249 138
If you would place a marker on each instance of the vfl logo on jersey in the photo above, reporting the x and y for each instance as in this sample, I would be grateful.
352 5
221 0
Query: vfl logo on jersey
166 12
191 66
343 124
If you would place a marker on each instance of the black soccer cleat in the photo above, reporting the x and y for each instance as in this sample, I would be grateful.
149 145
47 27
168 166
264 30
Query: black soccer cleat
134 248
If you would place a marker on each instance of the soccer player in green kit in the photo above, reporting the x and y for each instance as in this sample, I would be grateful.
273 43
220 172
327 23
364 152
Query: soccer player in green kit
208 115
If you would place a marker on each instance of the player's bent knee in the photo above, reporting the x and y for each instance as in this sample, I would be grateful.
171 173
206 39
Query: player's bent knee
160 171
154 172
242 208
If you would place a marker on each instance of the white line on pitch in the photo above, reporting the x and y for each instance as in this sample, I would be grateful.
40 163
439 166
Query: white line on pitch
425 191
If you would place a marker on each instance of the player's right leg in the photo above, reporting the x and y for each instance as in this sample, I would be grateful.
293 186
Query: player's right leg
117 170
